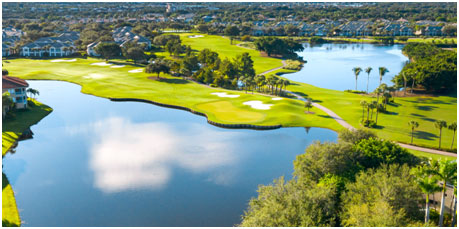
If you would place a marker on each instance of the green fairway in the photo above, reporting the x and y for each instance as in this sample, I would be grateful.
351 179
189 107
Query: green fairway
394 124
108 82
225 49
13 128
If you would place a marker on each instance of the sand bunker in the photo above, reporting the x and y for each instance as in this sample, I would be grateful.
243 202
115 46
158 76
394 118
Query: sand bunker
277 98
61 60
117 66
136 70
94 76
258 105
101 64
195 36
223 94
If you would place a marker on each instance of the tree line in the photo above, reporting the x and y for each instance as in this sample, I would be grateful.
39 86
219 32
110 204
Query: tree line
430 68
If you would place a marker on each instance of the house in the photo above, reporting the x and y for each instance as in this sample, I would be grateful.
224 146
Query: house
62 45
17 88
90 49
123 35
9 38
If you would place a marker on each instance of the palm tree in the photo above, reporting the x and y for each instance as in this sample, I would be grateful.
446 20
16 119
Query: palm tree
439 124
445 171
308 104
382 72
428 185
368 70
286 83
364 104
386 96
280 82
413 124
357 71
453 127
405 79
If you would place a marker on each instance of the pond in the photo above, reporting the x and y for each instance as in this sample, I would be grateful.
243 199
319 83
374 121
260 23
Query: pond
93 162
330 65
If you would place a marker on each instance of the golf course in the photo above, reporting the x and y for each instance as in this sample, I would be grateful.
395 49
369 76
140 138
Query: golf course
122 79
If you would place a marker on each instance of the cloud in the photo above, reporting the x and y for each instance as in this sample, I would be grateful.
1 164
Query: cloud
128 156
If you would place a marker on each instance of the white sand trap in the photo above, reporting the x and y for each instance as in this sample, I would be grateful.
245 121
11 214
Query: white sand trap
223 94
117 66
101 64
195 36
94 76
61 60
277 98
136 70
258 105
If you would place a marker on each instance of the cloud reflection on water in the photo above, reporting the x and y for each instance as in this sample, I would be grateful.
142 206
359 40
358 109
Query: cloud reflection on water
128 156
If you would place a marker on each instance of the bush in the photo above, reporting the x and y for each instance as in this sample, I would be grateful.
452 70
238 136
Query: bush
355 136
293 65
355 92
368 123
246 38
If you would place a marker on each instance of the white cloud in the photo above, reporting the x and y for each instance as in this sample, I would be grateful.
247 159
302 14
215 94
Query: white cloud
126 156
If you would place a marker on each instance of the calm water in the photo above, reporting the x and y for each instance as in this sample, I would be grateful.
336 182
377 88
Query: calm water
330 65
93 162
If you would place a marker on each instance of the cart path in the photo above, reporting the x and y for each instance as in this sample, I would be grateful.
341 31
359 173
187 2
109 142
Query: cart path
350 127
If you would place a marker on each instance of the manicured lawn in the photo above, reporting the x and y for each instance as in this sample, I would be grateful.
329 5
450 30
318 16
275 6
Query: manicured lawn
13 128
393 125
222 46
108 82
10 214
430 155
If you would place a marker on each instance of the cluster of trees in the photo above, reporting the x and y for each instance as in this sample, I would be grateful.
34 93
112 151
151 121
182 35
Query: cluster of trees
430 67
278 46
360 181
131 50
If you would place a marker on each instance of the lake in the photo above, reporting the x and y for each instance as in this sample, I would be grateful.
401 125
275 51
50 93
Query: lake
330 65
93 162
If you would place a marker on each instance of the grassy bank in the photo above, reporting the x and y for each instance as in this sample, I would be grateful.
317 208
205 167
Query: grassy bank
10 214
13 128
394 124
108 82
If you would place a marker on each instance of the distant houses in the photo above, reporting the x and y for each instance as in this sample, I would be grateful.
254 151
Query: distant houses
17 88
62 45
121 36
10 36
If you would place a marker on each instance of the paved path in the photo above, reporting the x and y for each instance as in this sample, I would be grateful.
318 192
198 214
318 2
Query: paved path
350 127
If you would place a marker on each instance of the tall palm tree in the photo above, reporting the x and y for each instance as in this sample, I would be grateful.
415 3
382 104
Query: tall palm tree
364 104
368 70
286 83
439 124
428 185
405 79
357 71
413 124
446 171
382 72
453 127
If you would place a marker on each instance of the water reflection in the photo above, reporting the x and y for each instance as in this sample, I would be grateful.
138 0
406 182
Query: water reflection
126 155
